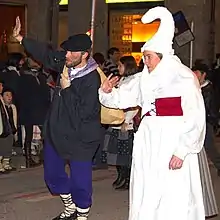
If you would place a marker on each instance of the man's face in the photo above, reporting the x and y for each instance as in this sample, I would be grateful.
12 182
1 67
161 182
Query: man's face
200 76
73 59
151 60
115 56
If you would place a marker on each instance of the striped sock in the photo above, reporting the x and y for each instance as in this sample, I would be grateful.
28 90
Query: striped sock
82 214
70 207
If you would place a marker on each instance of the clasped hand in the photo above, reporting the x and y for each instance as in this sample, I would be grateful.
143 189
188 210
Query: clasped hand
64 81
175 163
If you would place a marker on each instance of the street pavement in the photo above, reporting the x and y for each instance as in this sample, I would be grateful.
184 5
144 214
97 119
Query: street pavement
24 196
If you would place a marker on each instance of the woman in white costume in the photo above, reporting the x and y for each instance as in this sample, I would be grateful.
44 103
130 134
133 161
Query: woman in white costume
165 179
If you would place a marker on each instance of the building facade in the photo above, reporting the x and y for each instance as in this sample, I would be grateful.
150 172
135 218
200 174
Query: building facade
44 22
39 20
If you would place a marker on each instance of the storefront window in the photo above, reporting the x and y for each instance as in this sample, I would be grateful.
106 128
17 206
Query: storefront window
128 33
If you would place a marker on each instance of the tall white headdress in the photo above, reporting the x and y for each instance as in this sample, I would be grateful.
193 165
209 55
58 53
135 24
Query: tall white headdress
162 41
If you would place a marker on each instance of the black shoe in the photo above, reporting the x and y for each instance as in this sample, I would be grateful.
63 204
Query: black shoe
10 169
120 177
71 217
124 186
5 172
30 163
126 181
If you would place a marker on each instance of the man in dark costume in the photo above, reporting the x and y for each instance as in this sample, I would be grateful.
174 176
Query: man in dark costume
72 127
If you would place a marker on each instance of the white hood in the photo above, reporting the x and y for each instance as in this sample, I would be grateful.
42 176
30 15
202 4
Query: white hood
162 41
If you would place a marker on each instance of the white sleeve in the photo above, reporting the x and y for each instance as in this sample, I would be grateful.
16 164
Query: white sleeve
129 115
126 96
193 128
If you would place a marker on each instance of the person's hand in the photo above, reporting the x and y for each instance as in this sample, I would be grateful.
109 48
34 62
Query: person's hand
175 163
17 29
64 81
124 127
109 83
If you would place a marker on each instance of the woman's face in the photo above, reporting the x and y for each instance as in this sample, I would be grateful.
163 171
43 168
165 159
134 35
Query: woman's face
121 68
200 76
151 60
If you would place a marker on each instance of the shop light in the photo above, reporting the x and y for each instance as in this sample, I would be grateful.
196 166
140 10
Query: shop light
127 1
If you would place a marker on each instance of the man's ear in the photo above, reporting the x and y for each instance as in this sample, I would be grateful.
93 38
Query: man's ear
85 55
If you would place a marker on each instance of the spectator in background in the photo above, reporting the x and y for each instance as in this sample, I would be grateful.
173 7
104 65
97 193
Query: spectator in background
216 64
6 136
11 110
211 113
141 65
209 200
100 59
34 101
97 160
111 65
120 144
10 75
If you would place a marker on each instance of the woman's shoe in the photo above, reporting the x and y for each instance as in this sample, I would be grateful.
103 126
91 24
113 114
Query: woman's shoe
119 177
30 163
125 183
124 186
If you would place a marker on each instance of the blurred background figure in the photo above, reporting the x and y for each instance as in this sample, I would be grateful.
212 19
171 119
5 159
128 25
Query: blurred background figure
34 101
119 138
111 64
100 59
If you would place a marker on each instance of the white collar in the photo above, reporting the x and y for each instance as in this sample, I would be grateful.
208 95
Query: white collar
205 83
13 68
74 71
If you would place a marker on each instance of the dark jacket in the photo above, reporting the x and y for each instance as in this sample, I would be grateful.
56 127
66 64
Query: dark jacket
33 97
73 122
210 103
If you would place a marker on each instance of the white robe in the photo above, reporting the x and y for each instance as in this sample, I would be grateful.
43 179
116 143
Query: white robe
157 193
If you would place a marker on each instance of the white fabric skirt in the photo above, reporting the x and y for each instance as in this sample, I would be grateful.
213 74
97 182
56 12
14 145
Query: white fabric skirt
209 200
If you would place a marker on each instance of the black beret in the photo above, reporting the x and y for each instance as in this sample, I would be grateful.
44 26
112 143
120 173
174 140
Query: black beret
78 42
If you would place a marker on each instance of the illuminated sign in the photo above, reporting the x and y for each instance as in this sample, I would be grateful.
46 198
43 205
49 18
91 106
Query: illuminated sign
127 1
63 2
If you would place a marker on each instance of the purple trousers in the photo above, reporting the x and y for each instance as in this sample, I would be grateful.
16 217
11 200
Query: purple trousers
78 184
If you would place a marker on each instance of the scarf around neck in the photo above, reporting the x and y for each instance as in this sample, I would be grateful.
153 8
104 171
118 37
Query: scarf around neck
90 66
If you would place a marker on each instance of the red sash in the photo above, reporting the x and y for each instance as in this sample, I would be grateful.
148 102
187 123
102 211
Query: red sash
170 106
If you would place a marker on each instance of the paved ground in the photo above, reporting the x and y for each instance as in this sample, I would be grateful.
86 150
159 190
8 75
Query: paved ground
24 196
